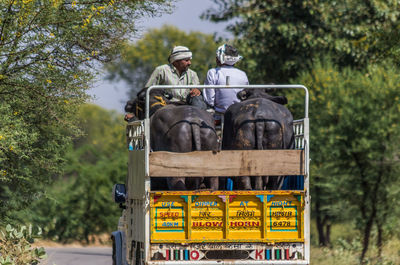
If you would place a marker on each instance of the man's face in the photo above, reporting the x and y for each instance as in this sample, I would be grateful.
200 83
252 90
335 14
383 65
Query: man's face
183 65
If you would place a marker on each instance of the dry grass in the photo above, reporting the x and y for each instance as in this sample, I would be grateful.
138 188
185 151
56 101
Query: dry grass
349 254
102 240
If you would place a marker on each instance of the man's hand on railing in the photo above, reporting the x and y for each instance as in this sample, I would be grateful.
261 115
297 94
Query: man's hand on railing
195 92
129 117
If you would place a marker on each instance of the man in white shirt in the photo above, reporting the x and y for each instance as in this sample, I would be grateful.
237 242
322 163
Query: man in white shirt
220 99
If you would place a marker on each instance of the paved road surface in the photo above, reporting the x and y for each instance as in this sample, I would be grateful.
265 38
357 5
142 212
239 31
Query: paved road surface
78 256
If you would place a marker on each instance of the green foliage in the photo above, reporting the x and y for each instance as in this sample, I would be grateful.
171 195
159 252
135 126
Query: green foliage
16 249
281 38
47 51
355 137
139 59
79 204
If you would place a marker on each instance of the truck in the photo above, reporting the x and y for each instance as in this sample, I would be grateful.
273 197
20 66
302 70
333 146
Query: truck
213 226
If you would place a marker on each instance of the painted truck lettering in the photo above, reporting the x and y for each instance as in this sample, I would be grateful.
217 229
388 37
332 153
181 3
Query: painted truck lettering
245 213
281 214
207 224
244 223
167 204
170 224
169 214
213 204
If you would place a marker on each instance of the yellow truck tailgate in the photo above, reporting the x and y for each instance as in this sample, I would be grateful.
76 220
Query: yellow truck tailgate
227 216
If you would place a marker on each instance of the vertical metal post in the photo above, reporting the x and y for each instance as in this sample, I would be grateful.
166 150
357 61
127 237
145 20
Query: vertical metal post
307 209
227 80
146 199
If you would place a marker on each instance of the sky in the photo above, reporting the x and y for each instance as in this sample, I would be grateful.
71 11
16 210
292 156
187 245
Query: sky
112 96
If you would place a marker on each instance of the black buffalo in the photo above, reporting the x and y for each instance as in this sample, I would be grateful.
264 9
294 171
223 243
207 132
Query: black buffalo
259 121
177 128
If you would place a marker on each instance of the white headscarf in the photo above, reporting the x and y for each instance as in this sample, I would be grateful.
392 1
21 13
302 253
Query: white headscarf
179 53
226 59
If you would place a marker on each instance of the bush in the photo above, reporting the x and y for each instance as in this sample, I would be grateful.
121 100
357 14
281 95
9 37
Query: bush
15 246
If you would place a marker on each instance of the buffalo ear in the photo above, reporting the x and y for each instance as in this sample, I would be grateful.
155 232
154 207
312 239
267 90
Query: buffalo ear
242 95
141 95
284 100
129 106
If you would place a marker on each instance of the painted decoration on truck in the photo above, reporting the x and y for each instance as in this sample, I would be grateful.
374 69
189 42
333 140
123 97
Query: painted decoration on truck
168 217
283 216
215 251
227 217
245 217
207 217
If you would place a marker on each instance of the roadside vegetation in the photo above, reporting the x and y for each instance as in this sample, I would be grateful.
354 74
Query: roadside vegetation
77 206
49 52
15 246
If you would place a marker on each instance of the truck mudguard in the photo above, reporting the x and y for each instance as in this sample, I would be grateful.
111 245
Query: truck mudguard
117 254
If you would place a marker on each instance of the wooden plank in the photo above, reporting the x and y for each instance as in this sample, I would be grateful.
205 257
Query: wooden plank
227 163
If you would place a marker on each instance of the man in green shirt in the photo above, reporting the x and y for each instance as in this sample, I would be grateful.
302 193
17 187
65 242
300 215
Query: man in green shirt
177 72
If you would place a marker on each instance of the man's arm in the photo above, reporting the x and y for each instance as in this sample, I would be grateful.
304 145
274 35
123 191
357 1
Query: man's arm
194 92
246 79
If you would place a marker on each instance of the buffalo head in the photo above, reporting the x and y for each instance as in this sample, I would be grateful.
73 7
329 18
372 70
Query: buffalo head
249 93
137 106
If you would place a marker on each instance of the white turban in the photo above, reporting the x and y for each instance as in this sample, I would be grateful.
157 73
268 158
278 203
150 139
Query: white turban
179 53
226 59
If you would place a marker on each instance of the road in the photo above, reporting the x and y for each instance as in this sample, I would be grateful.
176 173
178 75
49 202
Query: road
78 256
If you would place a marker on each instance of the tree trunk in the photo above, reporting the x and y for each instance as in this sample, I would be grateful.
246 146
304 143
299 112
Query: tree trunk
321 234
367 234
319 219
379 242
369 198
328 234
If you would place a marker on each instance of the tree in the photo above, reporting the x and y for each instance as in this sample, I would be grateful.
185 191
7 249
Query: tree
47 51
355 146
279 39
78 204
139 59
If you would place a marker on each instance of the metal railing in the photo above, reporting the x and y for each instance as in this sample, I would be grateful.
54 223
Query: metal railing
229 87
298 129
135 135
